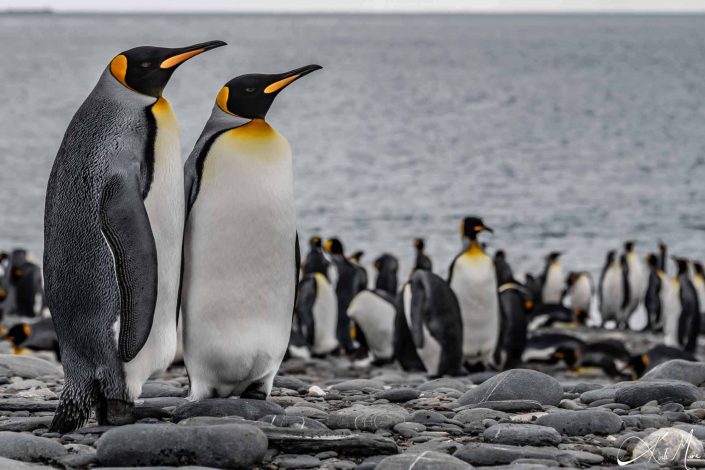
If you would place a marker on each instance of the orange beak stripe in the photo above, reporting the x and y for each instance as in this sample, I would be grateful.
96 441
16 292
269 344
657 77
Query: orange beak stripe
276 86
179 58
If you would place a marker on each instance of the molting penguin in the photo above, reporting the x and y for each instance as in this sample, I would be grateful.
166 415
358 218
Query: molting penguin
637 278
113 229
552 280
515 305
316 313
474 282
432 317
579 291
613 290
241 250
422 259
372 313
349 283
699 285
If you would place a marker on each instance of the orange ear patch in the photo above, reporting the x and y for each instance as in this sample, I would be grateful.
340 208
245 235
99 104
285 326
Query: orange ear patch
222 99
118 67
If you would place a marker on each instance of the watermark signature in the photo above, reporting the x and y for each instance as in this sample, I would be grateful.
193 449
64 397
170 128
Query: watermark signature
665 454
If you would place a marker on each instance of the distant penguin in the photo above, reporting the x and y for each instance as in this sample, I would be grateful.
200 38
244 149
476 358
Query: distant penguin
316 310
541 347
422 259
637 278
37 336
241 249
349 282
579 291
113 228
656 293
609 355
473 280
699 285
355 259
662 256
26 285
515 304
552 279
642 363
688 327
4 283
613 289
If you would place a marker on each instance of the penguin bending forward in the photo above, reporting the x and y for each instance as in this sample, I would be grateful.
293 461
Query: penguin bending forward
241 255
113 228
474 282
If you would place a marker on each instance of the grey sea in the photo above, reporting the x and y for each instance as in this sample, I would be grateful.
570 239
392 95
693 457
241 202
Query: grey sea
567 133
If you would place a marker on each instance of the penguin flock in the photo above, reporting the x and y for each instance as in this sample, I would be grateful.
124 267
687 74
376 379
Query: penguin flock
148 261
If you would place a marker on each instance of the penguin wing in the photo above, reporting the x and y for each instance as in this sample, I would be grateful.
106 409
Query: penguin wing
452 266
417 311
626 287
304 307
125 225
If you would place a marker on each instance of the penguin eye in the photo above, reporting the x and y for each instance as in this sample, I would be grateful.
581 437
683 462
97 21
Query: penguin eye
145 65
250 90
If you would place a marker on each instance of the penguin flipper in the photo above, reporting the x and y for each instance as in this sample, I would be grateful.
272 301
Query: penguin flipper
418 307
125 225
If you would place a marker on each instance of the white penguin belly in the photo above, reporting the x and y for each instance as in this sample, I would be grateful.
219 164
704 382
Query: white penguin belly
165 209
239 275
612 293
475 285
430 353
699 286
375 317
581 294
670 310
325 316
638 280
553 289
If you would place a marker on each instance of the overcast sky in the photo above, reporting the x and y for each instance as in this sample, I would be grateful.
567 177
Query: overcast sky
359 5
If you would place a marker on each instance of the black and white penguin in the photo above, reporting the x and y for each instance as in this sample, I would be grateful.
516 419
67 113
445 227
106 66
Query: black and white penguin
4 283
355 259
432 316
25 284
474 282
541 347
372 314
682 316
699 285
610 355
422 260
240 226
637 277
579 293
316 310
552 279
656 293
113 231
515 305
613 290
348 283
37 336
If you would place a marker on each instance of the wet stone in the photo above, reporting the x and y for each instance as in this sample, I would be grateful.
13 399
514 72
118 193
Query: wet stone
367 418
29 448
428 460
580 423
398 395
522 434
639 393
516 384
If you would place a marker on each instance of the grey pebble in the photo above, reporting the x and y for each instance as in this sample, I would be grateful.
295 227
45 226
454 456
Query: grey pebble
29 448
522 434
639 393
247 408
579 423
296 461
428 460
516 384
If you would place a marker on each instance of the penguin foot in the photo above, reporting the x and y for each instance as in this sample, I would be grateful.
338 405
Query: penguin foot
115 412
255 391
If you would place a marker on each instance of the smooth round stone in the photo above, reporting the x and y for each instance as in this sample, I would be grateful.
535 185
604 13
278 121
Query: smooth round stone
474 415
602 402
367 418
29 448
522 434
292 383
297 461
28 367
305 411
246 408
650 410
157 390
409 430
516 384
604 393
296 422
668 447
358 385
570 405
639 393
444 382
428 460
26 424
678 369
698 430
398 395
580 387
677 407
370 463
645 421
427 417
219 446
579 423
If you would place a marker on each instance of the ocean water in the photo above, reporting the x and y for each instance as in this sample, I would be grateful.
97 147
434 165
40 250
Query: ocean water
567 133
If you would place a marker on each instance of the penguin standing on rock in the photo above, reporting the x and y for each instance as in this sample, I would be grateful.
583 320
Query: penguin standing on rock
473 280
241 225
113 231
422 259
613 290
552 280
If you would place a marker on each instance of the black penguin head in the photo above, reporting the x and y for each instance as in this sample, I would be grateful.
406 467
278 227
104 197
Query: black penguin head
333 246
629 246
571 278
610 256
500 255
147 69
682 264
698 268
250 96
638 364
567 354
553 256
386 262
355 257
419 244
315 242
471 226
4 256
652 260
19 333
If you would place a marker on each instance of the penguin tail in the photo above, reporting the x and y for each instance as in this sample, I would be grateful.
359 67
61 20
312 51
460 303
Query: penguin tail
74 407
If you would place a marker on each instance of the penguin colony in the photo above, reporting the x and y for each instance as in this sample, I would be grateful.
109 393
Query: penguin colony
138 248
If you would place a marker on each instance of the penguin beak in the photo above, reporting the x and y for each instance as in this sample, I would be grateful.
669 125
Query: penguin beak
182 54
282 80
483 228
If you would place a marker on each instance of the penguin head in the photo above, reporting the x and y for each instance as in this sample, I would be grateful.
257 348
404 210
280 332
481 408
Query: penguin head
553 256
333 246
147 69
315 242
471 226
250 96
682 264
629 246
571 278
638 364
698 268
387 262
19 333
419 244
652 260
357 256
567 354
611 257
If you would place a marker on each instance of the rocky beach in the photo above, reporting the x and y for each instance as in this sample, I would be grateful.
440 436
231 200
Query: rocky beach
324 413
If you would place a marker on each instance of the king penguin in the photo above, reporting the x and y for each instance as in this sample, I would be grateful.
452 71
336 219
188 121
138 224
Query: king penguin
656 293
682 316
241 250
515 306
699 285
579 291
552 280
613 290
637 278
474 282
422 259
113 229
